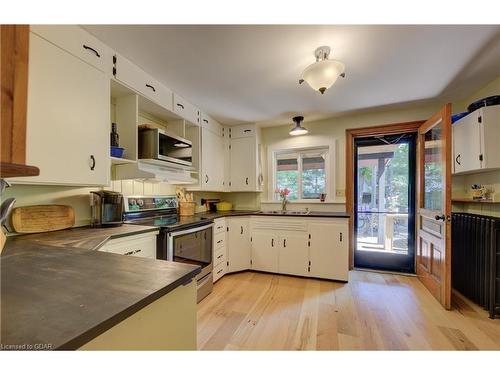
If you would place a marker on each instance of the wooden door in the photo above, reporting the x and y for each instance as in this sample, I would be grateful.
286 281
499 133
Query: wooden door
264 251
434 205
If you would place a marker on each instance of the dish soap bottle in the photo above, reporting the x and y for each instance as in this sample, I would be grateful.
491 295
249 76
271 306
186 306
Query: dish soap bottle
114 136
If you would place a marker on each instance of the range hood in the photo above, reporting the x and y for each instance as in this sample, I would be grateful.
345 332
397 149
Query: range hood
154 169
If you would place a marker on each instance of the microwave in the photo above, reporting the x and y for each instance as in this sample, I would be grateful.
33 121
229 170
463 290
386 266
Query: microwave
159 144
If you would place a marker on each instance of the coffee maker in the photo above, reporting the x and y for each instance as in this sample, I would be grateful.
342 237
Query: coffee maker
107 208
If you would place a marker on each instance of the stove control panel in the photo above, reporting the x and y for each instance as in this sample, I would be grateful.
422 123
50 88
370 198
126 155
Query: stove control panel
146 203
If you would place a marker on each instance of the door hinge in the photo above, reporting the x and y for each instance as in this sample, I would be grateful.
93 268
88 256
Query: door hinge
229 183
251 239
229 134
227 263
309 235
340 236
481 157
227 229
308 243
114 71
309 267
230 147
251 262
480 119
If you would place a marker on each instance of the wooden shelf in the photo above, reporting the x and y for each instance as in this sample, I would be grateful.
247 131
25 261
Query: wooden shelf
470 200
8 170
116 161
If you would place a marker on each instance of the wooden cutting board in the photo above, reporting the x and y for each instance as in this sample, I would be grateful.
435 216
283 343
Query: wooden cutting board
42 218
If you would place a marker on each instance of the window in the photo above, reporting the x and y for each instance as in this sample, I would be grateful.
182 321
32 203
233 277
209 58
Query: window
302 172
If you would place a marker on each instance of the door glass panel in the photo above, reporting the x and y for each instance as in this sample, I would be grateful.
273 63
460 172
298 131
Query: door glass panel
384 204
433 168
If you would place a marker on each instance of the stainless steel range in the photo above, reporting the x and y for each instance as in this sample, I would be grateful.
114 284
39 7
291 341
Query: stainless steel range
186 239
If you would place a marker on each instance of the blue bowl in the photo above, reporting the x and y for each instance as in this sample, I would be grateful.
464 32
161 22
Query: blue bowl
458 116
117 152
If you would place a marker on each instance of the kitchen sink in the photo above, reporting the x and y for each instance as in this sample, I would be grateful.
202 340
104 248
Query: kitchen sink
302 213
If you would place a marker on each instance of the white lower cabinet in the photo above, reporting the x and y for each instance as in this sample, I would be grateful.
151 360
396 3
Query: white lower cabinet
139 245
219 249
265 251
294 254
238 244
328 253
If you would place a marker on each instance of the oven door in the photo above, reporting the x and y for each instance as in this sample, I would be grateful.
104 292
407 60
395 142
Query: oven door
193 246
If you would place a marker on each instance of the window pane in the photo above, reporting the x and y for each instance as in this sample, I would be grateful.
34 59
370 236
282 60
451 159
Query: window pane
313 176
433 175
287 173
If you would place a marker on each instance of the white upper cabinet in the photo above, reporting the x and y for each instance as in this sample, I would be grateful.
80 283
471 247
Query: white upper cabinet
209 123
185 109
245 159
79 43
212 161
136 78
67 133
475 141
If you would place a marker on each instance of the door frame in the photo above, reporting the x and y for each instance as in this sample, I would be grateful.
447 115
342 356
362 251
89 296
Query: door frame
369 131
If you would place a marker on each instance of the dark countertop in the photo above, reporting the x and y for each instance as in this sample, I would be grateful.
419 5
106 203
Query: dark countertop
66 296
86 237
218 214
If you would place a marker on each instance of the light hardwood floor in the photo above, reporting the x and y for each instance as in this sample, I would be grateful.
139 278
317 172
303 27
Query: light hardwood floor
257 311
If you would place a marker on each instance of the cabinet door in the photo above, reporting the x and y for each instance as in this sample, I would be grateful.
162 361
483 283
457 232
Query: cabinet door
212 161
139 80
328 252
466 144
186 110
238 244
294 254
243 164
265 248
490 136
68 118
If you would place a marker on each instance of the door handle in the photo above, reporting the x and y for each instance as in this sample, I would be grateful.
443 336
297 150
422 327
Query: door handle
440 217
457 159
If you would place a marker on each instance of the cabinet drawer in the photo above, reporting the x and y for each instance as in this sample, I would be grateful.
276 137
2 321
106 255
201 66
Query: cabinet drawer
242 131
219 240
143 245
219 226
219 271
220 256
137 79
79 43
185 109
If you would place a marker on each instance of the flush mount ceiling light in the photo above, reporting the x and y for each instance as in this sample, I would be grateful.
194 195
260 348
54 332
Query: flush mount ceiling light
298 129
322 74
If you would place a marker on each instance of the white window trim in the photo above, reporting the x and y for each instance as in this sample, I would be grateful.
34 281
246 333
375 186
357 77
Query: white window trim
307 143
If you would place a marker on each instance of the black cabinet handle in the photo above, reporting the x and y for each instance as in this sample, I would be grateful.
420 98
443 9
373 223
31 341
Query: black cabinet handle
457 159
91 49
340 236
206 178
219 271
246 180
205 121
241 229
132 252
93 162
284 242
151 87
272 242
220 256
247 130
180 105
219 241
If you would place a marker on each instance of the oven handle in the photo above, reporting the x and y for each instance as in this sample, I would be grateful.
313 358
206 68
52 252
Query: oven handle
190 230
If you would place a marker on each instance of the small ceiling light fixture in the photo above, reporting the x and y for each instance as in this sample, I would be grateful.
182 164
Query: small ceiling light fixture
322 74
298 129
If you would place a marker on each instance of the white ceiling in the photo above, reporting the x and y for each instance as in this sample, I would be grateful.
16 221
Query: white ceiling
241 74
